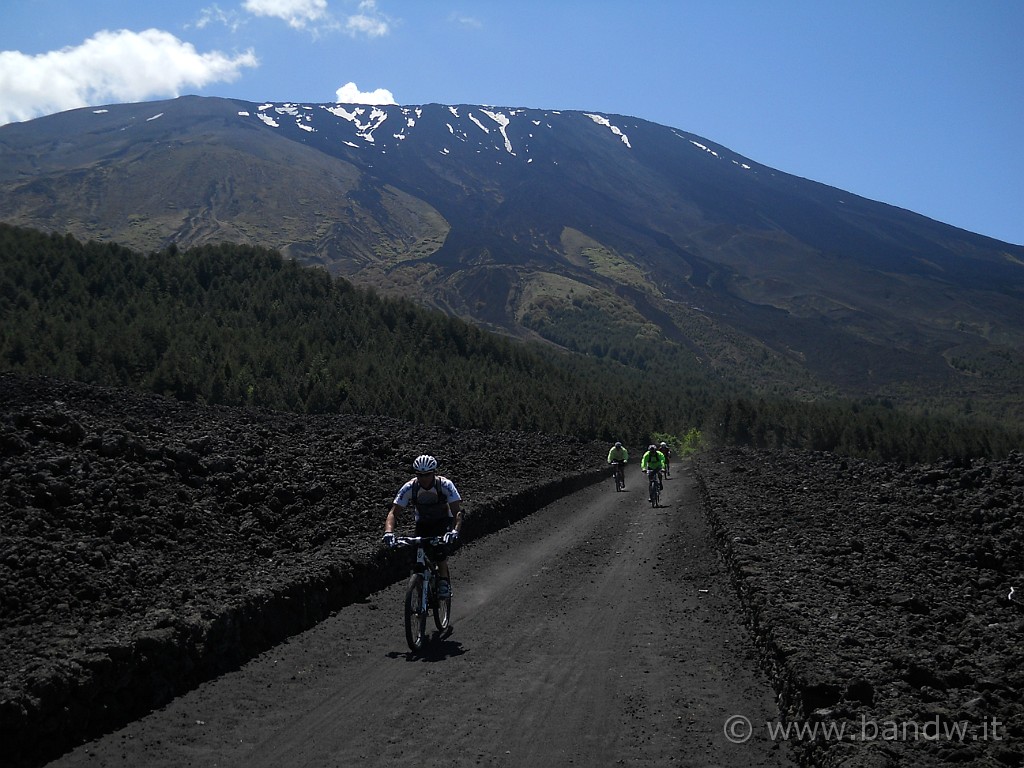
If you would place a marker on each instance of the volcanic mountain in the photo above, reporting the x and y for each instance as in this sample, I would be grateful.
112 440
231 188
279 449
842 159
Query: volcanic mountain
594 231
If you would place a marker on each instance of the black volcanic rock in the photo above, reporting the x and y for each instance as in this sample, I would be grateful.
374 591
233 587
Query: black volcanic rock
147 544
880 597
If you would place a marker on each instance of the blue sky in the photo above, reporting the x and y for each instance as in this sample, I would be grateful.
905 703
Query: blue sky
917 103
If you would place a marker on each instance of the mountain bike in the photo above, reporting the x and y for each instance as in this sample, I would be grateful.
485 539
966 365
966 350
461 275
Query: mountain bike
619 472
421 593
653 487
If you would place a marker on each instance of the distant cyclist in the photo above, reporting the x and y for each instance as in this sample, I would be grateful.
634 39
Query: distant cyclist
437 507
654 460
618 455
667 453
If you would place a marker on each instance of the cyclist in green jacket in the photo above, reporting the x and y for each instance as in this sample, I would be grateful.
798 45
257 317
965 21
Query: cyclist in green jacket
618 455
654 460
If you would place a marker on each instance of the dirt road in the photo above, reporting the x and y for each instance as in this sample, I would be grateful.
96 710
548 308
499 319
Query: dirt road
596 632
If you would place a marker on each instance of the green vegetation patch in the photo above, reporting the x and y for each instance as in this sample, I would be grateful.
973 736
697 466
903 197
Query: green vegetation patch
583 250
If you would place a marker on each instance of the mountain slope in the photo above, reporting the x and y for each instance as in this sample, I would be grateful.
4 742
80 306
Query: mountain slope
602 233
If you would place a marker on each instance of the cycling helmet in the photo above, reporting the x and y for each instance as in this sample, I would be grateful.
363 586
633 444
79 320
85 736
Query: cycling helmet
424 464
663 444
618 445
652 447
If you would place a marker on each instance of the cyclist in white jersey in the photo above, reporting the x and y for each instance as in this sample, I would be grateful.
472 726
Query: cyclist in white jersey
437 507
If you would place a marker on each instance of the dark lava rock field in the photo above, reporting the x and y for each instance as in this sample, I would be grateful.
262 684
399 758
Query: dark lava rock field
148 544
879 597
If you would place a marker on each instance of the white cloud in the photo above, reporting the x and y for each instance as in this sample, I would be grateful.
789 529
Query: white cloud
298 13
369 21
464 20
230 19
350 94
110 66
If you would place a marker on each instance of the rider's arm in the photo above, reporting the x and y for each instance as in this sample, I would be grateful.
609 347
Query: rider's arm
392 520
456 508
402 500
454 500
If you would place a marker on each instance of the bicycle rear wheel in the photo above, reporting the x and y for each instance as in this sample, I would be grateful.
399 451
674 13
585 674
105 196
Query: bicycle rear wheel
442 612
415 616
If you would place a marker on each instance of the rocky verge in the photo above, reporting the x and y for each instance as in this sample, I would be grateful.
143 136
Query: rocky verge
148 544
880 599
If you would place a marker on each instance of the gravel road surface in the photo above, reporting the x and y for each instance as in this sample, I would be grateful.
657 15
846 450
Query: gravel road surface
596 632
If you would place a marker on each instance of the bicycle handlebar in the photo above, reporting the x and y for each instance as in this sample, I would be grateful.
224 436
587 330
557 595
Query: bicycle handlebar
408 541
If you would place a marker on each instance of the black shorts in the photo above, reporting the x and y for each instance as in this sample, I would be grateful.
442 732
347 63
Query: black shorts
435 528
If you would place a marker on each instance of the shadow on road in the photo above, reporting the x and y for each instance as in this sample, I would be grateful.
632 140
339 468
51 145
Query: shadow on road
437 648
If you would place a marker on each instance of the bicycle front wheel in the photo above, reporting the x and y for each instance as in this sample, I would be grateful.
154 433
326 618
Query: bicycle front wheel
415 616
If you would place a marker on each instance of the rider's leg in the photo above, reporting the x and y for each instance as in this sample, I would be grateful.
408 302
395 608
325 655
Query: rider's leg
444 587
439 556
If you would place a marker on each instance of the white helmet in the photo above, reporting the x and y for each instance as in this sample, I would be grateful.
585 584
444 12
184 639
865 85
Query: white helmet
424 464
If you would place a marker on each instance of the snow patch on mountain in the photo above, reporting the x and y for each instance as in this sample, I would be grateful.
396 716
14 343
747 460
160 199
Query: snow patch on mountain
701 146
479 125
367 119
601 120
365 128
503 123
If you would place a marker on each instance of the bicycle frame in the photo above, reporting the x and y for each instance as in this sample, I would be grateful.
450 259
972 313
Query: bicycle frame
653 481
428 568
619 473
421 594
423 563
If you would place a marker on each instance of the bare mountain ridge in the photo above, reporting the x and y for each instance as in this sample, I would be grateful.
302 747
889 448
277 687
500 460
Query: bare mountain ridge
541 222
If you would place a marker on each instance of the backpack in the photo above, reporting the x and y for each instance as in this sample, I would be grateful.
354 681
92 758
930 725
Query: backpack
434 511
